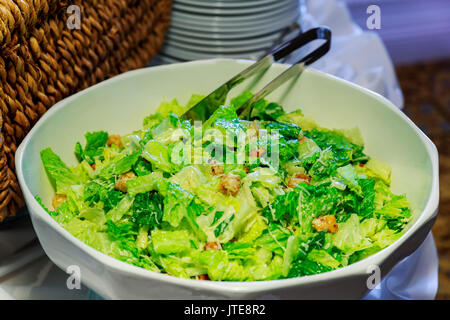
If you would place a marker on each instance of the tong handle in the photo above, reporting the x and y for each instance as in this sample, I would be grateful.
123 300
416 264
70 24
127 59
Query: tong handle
320 33
286 49
203 109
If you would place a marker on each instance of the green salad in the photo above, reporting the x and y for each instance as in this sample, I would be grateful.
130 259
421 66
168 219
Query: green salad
228 199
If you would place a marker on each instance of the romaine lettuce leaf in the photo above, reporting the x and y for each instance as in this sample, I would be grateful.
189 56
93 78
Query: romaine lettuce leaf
343 150
287 130
194 210
142 167
296 117
170 242
176 202
122 208
220 267
324 258
165 108
307 149
95 143
239 250
142 184
307 267
377 170
274 238
147 210
96 191
350 237
254 230
158 155
267 111
348 175
58 170
119 165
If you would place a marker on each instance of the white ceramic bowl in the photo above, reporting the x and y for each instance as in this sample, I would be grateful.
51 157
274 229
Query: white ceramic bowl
119 106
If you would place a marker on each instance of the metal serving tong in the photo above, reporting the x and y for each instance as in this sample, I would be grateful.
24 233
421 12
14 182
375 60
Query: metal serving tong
204 109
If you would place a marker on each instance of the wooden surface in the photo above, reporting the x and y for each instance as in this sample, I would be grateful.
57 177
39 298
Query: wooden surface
426 88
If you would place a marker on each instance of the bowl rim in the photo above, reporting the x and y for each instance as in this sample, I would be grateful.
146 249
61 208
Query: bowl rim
358 268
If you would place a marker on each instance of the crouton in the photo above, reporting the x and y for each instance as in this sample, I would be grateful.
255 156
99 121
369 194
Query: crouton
211 246
58 200
230 184
114 139
297 179
302 139
121 183
258 152
325 223
203 277
217 168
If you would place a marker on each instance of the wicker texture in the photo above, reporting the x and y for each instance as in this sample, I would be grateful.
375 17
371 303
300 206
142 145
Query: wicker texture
42 61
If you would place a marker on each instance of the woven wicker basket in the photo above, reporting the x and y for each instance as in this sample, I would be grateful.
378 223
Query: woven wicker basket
43 60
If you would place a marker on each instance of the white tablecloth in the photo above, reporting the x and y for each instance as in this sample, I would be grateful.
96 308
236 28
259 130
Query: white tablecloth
357 56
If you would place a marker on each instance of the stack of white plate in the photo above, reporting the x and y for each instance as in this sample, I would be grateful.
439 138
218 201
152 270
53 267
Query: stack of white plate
202 29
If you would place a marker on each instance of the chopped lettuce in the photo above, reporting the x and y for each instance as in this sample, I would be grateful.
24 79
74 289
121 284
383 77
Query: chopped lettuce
95 142
60 173
145 183
176 201
147 210
168 242
351 237
343 150
165 108
376 169
158 155
348 175
249 204
297 118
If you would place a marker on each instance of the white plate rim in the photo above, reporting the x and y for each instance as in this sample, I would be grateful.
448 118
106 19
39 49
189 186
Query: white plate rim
280 13
210 10
274 24
224 3
223 43
191 55
223 36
